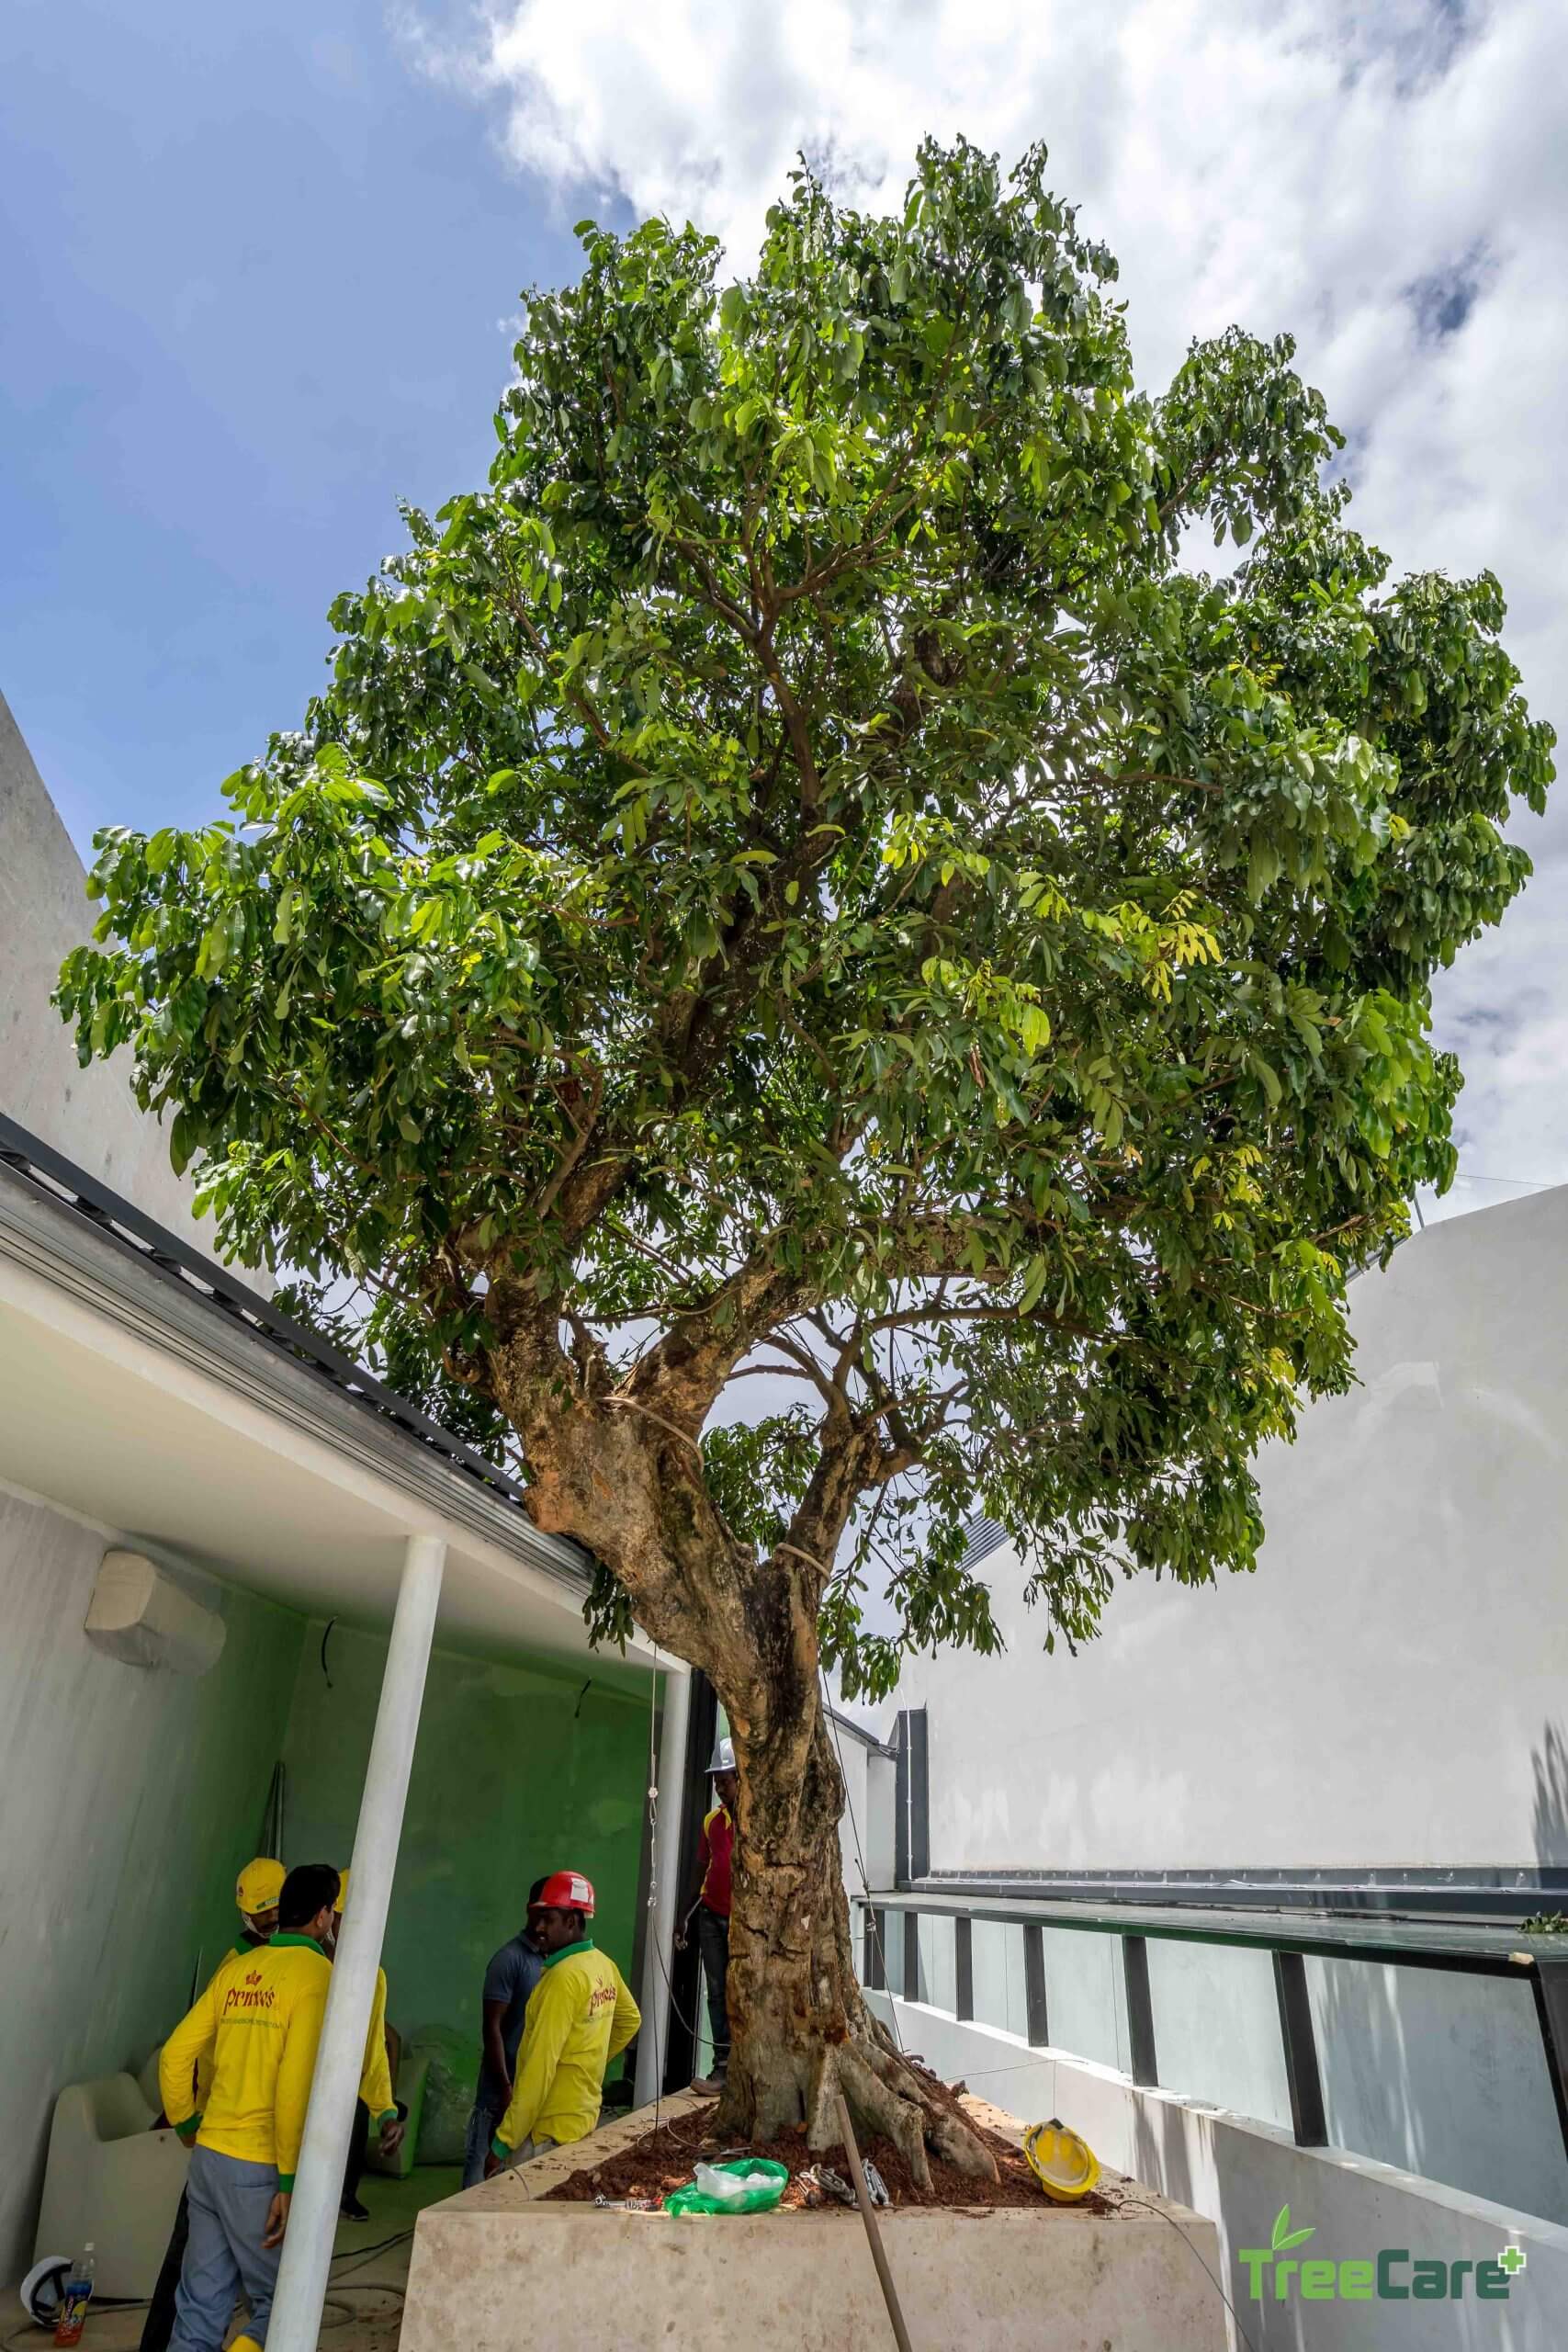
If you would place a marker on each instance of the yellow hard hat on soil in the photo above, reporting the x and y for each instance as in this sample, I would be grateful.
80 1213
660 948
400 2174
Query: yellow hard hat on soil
1065 2165
259 1885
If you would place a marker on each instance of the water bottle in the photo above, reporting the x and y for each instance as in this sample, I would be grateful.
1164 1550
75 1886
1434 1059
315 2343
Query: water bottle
78 2294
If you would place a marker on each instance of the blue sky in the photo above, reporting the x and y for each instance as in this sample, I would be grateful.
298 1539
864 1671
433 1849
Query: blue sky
258 266
256 270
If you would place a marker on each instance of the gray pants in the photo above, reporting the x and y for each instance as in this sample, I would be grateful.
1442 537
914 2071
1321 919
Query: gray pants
483 2124
229 2200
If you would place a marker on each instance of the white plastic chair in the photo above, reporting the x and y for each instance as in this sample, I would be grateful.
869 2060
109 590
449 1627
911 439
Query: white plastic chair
111 2179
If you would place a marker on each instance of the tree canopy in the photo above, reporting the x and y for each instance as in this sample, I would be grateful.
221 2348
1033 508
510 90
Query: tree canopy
802 870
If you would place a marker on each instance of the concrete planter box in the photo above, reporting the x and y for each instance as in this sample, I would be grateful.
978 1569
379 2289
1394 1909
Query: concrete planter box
494 2268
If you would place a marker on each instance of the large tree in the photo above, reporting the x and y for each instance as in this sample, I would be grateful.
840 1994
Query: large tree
801 876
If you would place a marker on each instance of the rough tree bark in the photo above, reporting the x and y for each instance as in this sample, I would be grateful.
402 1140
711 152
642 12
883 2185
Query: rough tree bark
621 1475
799 2028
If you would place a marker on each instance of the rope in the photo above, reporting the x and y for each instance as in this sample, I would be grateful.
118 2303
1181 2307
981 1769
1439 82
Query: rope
651 1929
860 1861
630 1405
796 1552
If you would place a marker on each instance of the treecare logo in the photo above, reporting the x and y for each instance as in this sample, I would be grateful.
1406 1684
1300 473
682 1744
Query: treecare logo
1393 2275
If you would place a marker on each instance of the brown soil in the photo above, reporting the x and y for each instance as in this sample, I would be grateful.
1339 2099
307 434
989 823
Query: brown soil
663 2160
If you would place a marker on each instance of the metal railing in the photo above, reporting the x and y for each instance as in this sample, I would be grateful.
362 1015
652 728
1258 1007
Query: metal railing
1459 1948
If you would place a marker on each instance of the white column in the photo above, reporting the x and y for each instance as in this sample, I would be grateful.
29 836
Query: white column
658 1940
312 2220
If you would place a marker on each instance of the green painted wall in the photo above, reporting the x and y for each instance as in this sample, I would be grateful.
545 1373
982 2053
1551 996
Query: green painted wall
518 1771
228 1765
133 1797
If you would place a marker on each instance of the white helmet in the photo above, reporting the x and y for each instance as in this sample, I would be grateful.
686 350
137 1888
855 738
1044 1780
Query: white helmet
43 2288
723 1756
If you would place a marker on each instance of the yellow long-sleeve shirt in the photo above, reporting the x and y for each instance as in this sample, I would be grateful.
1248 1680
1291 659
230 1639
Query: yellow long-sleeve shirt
257 2023
579 2016
376 2082
240 1951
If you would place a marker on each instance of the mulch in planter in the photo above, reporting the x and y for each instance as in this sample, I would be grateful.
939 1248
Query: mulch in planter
663 2160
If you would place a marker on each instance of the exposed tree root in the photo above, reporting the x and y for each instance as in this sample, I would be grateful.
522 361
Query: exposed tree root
886 2099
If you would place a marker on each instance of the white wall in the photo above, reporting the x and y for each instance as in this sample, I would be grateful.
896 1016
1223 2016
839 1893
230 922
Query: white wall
88 1114
1388 1690
868 1813
128 1798
1239 2173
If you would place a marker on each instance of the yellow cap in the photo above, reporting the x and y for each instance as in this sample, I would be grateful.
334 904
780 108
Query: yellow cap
259 1885
342 1892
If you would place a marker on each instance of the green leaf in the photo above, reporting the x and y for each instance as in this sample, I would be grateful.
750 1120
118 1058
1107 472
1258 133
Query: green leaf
1284 2236
833 867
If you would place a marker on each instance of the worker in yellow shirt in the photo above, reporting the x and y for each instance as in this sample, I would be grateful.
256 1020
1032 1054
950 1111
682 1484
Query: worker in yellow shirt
579 2016
376 2101
258 2024
256 1891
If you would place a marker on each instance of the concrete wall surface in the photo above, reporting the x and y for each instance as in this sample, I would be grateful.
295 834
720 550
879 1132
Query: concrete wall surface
130 1797
1388 1691
1240 2174
88 1114
517 1771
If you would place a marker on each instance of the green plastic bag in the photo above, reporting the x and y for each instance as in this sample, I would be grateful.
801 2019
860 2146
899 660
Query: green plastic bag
748 2185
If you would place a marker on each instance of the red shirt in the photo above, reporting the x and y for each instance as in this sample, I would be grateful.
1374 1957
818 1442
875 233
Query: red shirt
716 1847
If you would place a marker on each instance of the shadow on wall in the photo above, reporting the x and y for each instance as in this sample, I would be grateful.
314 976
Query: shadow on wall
1443 2074
1550 1764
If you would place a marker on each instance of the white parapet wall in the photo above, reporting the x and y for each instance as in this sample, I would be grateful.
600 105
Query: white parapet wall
1386 1695
1241 2175
88 1114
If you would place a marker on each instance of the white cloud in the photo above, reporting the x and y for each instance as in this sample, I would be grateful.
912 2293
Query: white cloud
1391 183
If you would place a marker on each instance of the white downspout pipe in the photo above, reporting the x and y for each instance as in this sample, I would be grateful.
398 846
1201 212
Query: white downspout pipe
313 2219
659 1943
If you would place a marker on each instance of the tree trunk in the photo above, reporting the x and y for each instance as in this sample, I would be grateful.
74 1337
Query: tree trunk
799 2028
630 1484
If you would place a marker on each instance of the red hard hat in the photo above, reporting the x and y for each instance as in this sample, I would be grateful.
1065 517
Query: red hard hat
567 1891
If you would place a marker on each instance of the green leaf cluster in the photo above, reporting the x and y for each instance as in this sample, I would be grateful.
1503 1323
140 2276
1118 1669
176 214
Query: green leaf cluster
797 846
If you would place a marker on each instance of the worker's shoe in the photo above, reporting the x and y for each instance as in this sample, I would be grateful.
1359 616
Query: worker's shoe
708 2085
351 2209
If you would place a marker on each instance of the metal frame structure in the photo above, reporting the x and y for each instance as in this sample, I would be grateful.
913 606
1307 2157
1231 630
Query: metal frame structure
1426 1894
1457 1947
